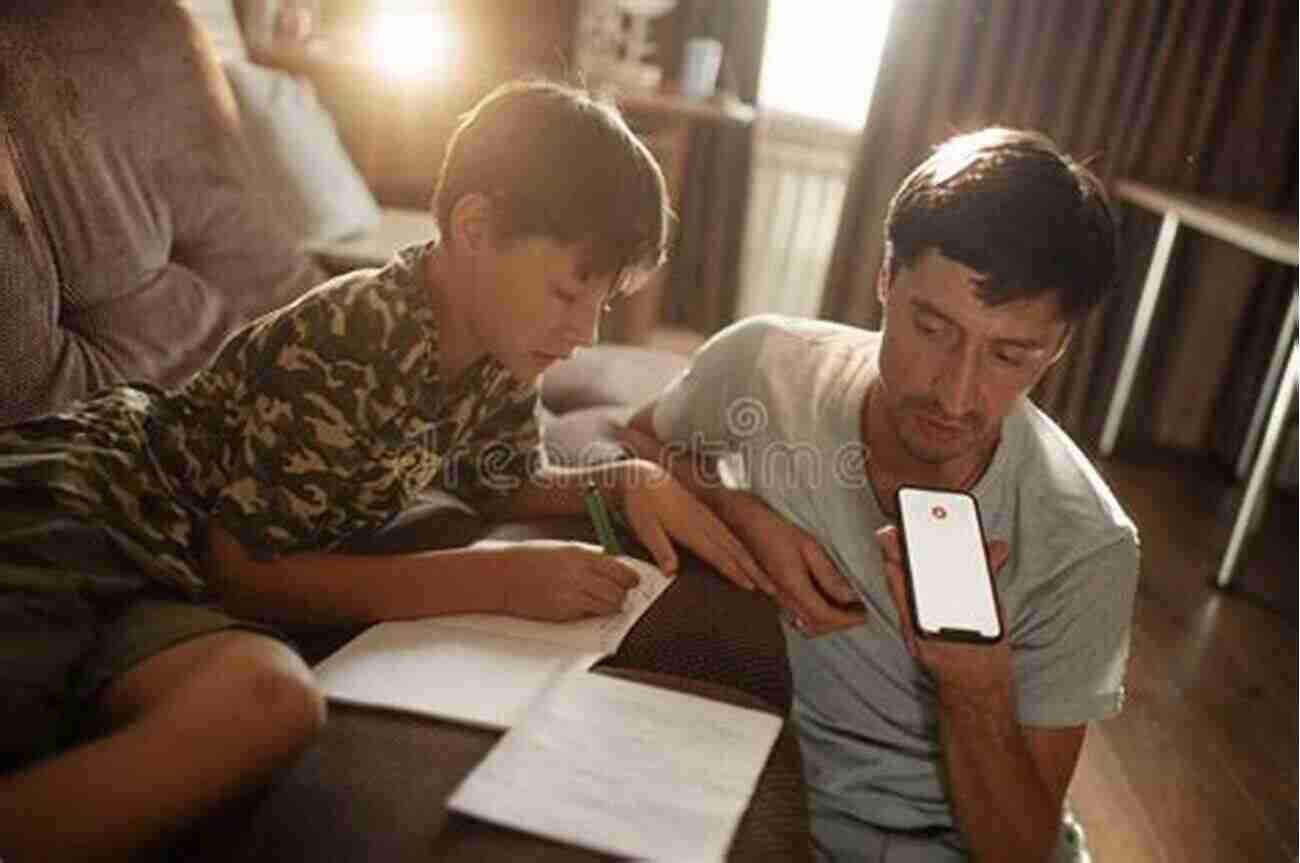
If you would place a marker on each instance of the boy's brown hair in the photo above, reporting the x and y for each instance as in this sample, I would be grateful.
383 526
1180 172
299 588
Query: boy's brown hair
561 164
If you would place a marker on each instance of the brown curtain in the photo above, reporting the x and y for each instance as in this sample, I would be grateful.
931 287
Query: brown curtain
702 287
1200 95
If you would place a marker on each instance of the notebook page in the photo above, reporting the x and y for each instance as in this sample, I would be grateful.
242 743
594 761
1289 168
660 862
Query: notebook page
603 634
421 666
624 768
479 669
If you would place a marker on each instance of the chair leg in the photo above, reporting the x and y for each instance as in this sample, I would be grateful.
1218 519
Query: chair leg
1257 488
1138 334
1271 380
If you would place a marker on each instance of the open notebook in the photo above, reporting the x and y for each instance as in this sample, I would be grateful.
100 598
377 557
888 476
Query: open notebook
480 669
624 768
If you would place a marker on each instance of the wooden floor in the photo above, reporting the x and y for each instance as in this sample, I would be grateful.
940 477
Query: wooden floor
1202 763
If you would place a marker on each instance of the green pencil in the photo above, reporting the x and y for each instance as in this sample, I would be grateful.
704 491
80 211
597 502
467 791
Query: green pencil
600 520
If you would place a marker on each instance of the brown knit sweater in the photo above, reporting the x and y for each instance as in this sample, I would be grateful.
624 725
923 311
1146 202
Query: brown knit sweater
133 239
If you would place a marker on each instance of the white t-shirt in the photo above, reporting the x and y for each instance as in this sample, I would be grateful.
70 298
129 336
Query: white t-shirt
786 395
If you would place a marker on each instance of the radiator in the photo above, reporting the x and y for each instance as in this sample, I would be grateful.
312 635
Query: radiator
799 175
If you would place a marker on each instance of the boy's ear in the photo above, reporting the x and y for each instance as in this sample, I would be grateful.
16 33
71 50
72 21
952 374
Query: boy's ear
471 222
883 283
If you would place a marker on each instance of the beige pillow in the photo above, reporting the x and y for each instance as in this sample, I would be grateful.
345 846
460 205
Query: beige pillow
218 20
308 176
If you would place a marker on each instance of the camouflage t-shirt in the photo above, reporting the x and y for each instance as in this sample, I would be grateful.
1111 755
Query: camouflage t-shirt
316 422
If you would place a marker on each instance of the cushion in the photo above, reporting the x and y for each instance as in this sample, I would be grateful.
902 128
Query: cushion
627 375
309 177
217 19
397 228
585 437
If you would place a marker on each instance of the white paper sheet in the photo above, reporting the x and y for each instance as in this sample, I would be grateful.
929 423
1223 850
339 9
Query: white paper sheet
478 669
624 768
600 634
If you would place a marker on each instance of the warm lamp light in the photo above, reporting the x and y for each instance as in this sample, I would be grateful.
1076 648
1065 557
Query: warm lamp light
411 44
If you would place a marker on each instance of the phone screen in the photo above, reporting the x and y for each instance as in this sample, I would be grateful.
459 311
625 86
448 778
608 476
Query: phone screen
950 586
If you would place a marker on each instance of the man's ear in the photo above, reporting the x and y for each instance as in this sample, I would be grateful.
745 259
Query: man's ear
471 222
1065 343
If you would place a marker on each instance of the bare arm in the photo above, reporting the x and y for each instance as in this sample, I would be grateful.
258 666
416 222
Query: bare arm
657 507
1006 781
694 470
795 569
559 490
542 579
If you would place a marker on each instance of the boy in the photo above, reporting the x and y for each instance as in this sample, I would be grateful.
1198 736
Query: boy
124 520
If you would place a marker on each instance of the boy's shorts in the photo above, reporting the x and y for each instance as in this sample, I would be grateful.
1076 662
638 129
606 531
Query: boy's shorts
75 614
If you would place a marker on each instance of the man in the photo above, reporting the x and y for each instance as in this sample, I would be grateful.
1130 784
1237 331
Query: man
998 246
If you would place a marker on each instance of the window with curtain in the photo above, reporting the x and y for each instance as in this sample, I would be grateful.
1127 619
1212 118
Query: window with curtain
820 59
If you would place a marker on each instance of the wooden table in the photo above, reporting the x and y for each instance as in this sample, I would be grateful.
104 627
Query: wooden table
1268 234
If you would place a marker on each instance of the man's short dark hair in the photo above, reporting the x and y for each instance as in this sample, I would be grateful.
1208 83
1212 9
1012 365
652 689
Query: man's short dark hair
1009 204
560 164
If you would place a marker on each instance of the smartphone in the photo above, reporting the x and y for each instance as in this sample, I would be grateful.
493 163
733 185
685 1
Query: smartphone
949 583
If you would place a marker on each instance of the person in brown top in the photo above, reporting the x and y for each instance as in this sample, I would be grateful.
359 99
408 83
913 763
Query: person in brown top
144 532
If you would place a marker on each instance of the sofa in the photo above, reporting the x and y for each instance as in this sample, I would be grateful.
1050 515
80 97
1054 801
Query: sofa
131 242
133 238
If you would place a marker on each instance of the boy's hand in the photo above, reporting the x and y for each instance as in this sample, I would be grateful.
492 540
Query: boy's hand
660 509
554 580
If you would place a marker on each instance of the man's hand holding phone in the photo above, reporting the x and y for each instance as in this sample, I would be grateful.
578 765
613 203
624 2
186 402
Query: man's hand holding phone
960 646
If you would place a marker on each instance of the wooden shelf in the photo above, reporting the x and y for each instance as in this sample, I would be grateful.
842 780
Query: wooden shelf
320 56
1268 234
720 109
